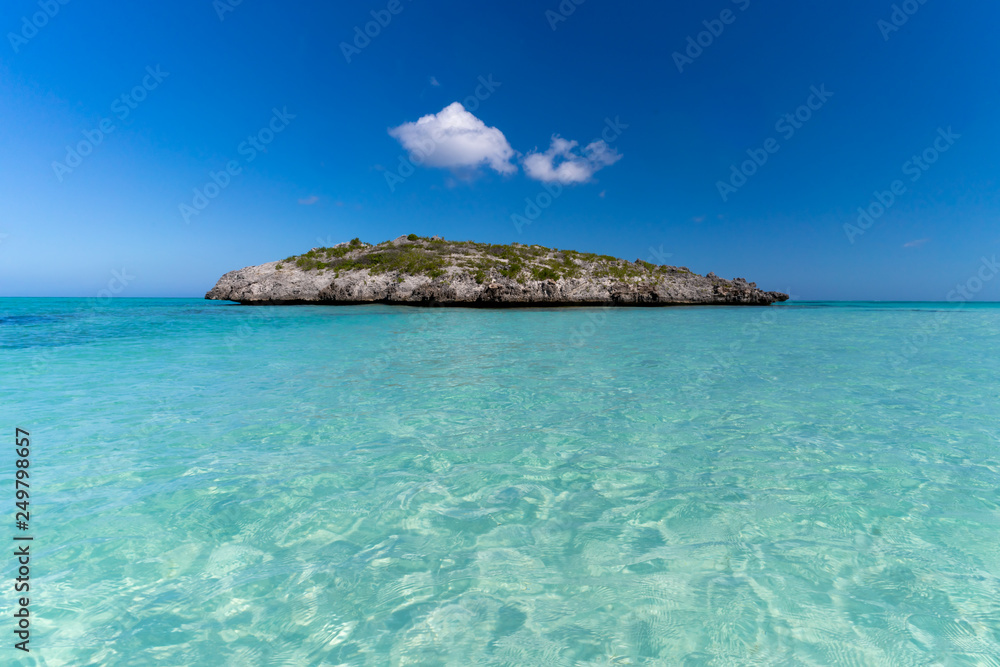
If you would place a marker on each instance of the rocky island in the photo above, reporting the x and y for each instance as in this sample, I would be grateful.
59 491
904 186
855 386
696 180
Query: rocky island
417 270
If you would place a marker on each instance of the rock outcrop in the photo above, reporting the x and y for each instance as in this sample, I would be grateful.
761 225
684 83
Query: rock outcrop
432 271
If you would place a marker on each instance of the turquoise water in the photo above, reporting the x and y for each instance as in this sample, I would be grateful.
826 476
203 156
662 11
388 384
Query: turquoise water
217 485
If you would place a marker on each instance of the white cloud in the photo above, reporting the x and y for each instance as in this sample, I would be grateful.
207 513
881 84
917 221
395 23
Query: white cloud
455 139
434 81
309 201
573 166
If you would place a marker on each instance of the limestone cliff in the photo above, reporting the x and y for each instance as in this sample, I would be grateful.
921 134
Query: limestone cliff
431 271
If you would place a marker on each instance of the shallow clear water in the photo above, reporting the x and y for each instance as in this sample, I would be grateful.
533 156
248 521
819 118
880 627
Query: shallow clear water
219 485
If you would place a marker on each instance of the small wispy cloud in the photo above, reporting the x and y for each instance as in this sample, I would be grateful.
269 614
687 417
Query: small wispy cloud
915 244
309 201
563 163
434 81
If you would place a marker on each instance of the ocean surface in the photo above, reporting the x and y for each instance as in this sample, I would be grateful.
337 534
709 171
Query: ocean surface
211 484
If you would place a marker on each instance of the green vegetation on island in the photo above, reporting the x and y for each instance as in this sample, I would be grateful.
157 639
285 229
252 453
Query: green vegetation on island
432 257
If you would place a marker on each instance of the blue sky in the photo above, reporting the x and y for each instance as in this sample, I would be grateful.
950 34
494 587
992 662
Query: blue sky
197 86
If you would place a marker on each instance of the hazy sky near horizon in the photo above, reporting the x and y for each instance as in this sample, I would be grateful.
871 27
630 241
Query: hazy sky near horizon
168 143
